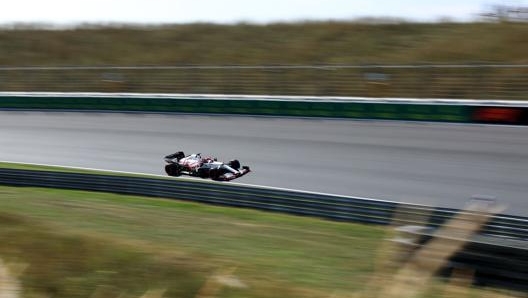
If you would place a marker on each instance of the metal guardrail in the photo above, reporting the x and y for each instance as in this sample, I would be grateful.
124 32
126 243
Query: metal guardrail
327 206
483 81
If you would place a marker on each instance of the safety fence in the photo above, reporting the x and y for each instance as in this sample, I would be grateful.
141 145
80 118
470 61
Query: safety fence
442 110
468 81
498 255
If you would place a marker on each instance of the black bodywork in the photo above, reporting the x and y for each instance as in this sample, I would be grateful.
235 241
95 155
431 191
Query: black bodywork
203 167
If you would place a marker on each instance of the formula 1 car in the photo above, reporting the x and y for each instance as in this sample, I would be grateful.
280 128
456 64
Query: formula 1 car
203 167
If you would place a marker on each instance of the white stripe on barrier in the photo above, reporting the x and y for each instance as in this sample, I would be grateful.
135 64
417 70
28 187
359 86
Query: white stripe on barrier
204 181
436 101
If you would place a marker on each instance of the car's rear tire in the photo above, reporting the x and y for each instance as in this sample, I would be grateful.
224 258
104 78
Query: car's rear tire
235 164
173 170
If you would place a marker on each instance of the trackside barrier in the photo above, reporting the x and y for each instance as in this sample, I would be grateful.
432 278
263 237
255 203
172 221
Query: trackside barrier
328 206
237 105
405 109
498 255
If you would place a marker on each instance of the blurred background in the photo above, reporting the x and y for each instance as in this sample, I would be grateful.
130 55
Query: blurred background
472 49
84 244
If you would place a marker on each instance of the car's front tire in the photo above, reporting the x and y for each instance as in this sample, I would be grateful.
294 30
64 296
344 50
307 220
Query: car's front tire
203 173
215 174
235 164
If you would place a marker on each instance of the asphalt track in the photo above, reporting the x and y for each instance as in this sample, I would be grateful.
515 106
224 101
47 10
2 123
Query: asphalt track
426 163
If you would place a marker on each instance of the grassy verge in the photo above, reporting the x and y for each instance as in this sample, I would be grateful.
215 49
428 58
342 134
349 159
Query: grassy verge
33 167
73 239
92 244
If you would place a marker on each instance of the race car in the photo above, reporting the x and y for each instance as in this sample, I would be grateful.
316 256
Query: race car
203 166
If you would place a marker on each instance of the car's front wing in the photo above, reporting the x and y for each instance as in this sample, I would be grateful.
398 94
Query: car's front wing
233 175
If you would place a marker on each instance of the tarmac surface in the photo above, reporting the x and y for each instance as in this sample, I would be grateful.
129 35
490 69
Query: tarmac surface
426 163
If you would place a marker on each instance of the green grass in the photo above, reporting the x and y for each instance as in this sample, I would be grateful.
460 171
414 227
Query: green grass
94 244
73 239
33 167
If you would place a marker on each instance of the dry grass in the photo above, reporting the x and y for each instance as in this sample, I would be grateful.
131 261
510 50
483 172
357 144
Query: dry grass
303 43
275 44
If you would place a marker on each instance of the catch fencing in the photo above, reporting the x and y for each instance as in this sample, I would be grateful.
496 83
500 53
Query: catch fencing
469 81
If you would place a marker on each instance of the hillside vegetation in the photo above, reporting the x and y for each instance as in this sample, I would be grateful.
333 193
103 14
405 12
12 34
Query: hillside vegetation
323 43
307 43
